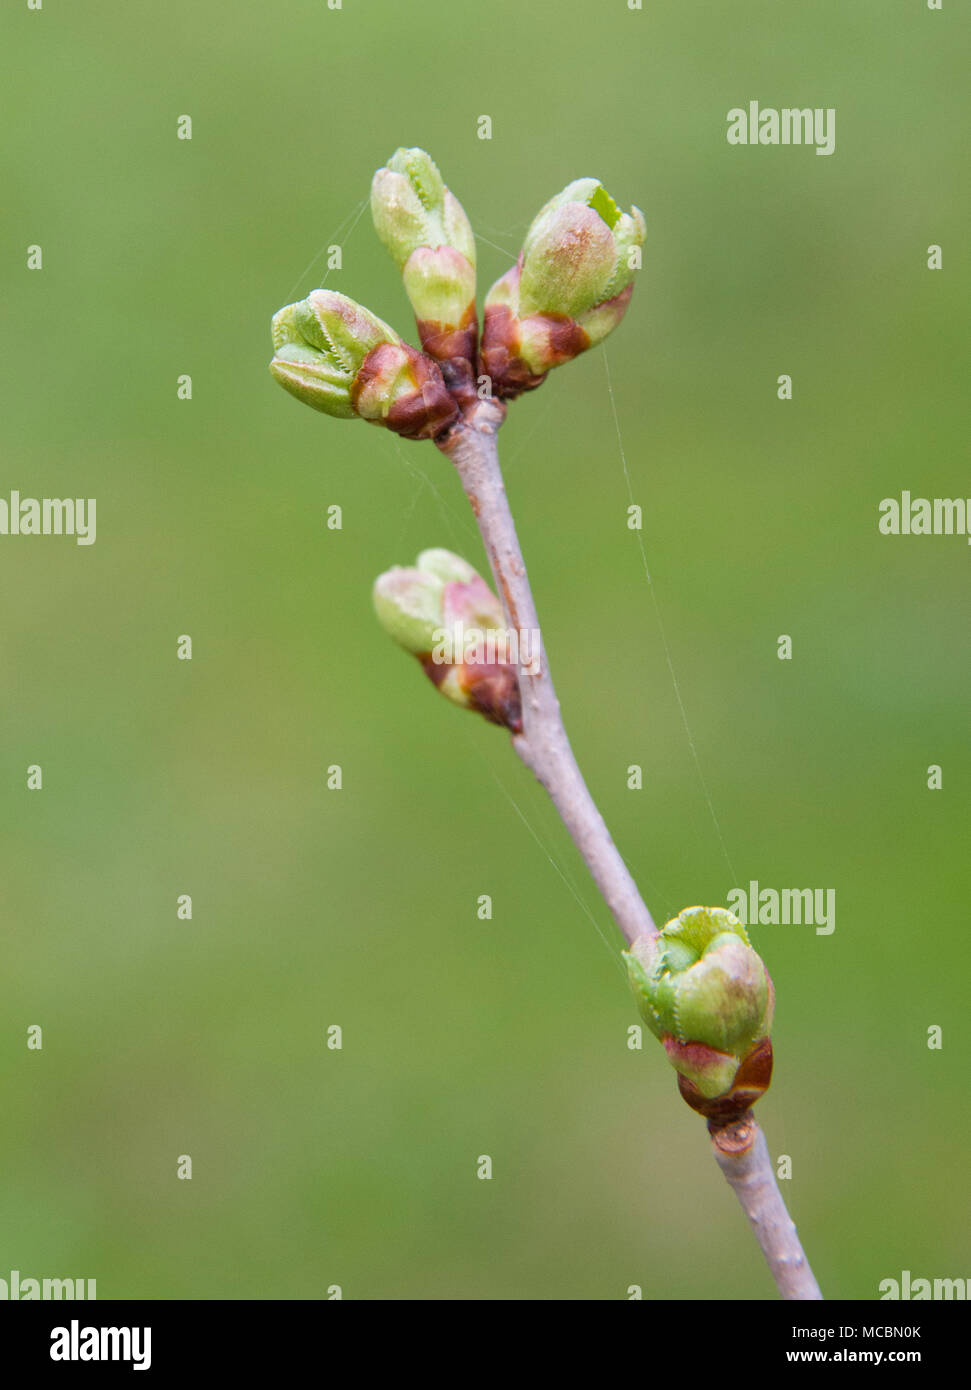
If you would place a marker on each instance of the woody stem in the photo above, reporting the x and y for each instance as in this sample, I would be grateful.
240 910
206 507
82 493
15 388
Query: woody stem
740 1149
743 1156
543 744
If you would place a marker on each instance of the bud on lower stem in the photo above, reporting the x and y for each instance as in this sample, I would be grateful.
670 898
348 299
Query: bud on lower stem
705 993
340 358
569 288
435 611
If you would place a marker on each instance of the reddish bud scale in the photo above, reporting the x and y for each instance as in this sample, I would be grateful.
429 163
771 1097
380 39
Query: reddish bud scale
454 349
445 341
751 1082
423 413
500 359
492 689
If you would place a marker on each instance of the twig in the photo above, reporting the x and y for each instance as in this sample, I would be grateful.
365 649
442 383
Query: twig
543 744
743 1156
740 1148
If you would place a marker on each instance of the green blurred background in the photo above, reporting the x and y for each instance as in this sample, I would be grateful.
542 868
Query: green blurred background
357 907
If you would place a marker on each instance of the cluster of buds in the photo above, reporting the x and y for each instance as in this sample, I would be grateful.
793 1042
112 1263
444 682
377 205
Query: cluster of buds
705 993
422 607
569 288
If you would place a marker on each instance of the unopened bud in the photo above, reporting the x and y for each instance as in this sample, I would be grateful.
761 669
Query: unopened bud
427 232
569 288
340 358
704 992
422 607
440 284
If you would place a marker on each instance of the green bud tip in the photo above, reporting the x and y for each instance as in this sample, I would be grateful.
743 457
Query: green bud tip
426 607
411 207
704 992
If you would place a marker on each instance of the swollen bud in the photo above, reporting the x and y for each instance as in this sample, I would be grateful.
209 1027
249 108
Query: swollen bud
427 232
705 993
340 358
446 615
569 288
